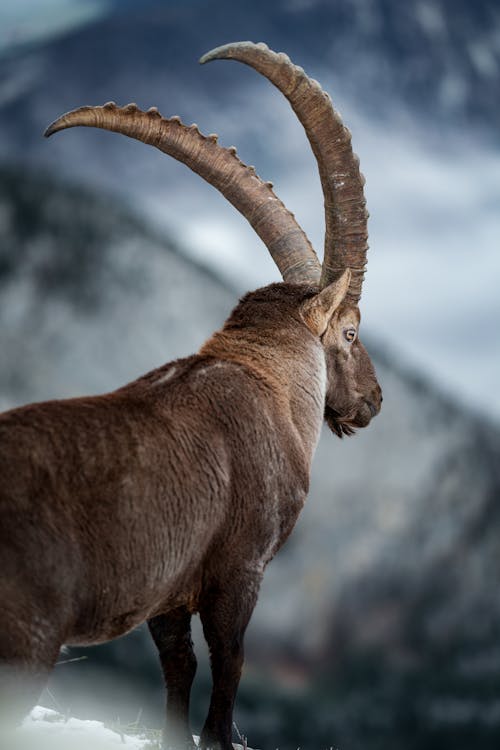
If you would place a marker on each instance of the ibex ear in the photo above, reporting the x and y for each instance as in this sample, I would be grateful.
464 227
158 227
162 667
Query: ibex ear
318 310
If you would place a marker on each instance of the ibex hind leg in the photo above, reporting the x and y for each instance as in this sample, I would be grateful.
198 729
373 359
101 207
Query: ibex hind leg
225 610
172 635
25 665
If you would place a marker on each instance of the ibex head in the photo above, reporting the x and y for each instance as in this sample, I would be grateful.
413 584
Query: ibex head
353 395
332 289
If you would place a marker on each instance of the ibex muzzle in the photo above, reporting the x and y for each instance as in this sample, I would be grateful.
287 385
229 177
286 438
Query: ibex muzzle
170 495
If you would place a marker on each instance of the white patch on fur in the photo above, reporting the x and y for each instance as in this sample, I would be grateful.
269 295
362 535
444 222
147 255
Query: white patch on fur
166 377
322 375
308 393
322 384
219 365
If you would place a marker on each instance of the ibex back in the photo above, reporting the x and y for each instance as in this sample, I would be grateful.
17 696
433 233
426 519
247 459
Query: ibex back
170 495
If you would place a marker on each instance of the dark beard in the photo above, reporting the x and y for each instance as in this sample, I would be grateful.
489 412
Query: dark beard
340 426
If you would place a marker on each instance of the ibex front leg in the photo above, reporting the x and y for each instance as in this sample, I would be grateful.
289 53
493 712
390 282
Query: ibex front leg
172 636
225 610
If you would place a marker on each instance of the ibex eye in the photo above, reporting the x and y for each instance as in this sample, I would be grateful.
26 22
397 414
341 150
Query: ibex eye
350 334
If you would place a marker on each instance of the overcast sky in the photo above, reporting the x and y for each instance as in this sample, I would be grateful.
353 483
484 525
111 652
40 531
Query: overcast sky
29 20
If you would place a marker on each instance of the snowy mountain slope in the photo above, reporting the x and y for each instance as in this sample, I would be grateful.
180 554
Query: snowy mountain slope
416 82
397 549
432 66
72 265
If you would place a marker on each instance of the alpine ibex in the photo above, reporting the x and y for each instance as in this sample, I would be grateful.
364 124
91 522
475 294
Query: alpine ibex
170 495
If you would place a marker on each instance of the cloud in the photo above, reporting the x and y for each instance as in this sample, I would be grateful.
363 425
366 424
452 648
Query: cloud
24 21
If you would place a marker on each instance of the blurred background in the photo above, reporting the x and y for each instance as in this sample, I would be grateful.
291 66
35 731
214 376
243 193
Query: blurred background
378 625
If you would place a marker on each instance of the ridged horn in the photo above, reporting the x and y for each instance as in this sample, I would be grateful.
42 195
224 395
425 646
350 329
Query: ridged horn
276 226
346 235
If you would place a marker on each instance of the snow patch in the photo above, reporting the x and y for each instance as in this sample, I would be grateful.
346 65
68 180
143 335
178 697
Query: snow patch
45 729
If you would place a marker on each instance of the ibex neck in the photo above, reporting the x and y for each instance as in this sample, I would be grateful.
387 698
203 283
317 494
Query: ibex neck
290 362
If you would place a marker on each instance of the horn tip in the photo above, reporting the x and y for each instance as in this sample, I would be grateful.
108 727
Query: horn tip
212 54
226 51
54 127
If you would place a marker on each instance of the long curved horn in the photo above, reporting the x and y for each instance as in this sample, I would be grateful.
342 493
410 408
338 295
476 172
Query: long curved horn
276 226
346 235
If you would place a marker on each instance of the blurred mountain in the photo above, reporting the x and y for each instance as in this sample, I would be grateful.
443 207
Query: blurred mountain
74 264
437 56
378 624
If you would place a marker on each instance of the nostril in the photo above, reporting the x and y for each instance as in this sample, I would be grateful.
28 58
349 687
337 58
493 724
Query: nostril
373 408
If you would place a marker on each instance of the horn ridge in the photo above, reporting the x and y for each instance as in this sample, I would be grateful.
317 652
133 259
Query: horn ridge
341 179
221 167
